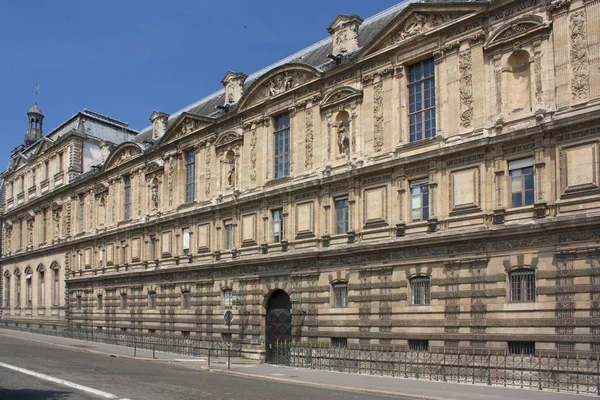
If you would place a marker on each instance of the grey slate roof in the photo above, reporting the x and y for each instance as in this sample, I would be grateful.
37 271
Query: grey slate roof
314 55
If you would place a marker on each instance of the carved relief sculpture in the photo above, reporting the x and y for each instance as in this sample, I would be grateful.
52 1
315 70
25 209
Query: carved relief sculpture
170 179
253 141
579 56
378 116
30 224
466 88
188 126
419 23
309 139
343 139
285 81
56 219
8 237
207 169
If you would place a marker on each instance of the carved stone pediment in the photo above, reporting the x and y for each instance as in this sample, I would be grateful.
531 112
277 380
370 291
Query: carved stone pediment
520 27
122 153
100 189
228 138
154 168
278 81
341 95
418 23
187 124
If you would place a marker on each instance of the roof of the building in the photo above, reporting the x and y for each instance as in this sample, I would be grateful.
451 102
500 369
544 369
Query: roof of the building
314 55
35 109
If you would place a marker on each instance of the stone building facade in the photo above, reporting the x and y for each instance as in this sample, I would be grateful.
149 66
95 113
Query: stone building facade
427 177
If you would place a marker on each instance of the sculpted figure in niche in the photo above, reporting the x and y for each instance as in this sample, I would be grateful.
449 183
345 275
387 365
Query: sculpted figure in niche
154 193
56 219
8 236
343 138
230 159
30 231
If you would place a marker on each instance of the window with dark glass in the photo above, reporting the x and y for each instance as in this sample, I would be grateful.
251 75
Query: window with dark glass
41 288
522 285
60 162
341 215
229 237
421 100
277 225
123 301
153 248
18 290
521 348
29 288
152 301
127 197
340 294
186 300
100 303
420 288
7 291
79 303
418 345
282 146
419 193
44 225
190 176
55 288
521 182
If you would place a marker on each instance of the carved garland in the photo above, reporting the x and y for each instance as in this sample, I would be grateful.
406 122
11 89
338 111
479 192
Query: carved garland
579 56
207 169
253 141
308 158
466 88
378 116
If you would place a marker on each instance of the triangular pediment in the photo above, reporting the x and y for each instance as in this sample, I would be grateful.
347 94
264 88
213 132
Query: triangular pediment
276 82
186 124
341 95
20 161
122 153
227 138
42 146
416 21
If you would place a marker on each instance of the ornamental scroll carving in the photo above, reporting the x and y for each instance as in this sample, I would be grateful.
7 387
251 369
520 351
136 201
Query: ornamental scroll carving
170 177
308 147
466 88
281 83
253 157
579 56
207 169
378 116
419 23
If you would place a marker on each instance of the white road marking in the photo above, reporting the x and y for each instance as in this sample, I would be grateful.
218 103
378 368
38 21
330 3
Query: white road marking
60 381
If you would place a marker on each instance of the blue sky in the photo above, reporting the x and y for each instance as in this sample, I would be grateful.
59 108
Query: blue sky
127 58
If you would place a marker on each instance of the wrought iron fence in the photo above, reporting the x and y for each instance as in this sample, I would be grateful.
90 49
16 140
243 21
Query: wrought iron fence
559 374
176 344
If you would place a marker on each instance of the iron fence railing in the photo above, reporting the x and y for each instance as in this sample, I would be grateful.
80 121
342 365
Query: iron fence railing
559 374
176 344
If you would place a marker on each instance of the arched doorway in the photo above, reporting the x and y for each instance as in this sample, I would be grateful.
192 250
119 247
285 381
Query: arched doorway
279 321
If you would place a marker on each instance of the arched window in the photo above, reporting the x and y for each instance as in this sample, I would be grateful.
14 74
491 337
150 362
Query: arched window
55 285
7 289
28 287
41 285
522 285
17 289
420 289
340 294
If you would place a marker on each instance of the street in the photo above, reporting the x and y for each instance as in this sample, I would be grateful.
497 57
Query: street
133 379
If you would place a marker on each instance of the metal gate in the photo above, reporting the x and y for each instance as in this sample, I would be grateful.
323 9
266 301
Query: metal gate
279 322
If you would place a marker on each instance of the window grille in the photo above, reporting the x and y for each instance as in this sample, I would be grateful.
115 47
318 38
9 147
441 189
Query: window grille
226 337
421 100
227 298
521 348
339 342
419 192
186 304
521 182
596 347
341 215
340 294
420 290
522 286
478 330
127 197
565 346
152 301
418 345
282 146
277 225
185 333
229 235
595 280
79 303
190 176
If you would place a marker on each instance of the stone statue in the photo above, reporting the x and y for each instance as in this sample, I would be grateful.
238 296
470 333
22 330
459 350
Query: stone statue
30 231
231 174
8 236
56 218
154 194
343 139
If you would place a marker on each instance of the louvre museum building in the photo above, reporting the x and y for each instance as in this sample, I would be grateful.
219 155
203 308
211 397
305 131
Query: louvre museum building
424 178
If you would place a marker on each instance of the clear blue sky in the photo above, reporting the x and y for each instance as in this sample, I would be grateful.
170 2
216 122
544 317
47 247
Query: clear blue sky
127 58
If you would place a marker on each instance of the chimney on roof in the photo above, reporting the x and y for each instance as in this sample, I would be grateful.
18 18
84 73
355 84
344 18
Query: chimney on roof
159 123
233 82
344 33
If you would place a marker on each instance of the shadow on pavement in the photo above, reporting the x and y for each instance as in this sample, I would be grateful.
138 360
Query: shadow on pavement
32 394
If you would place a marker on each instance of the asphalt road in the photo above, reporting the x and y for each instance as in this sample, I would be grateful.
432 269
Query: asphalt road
135 379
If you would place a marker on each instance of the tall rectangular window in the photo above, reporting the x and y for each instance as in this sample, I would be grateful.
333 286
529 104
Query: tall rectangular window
123 301
282 146
152 301
153 248
420 288
186 239
277 225
18 290
20 234
60 162
186 300
33 177
341 215
522 285
419 192
421 100
7 291
100 302
127 197
55 288
190 176
123 252
81 213
42 289
340 294
44 225
46 169
227 298
521 182
29 293
229 237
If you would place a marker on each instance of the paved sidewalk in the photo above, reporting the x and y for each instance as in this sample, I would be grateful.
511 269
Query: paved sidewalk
405 388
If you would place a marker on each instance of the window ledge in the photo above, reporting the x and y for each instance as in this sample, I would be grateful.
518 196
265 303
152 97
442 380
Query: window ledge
419 143
278 181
